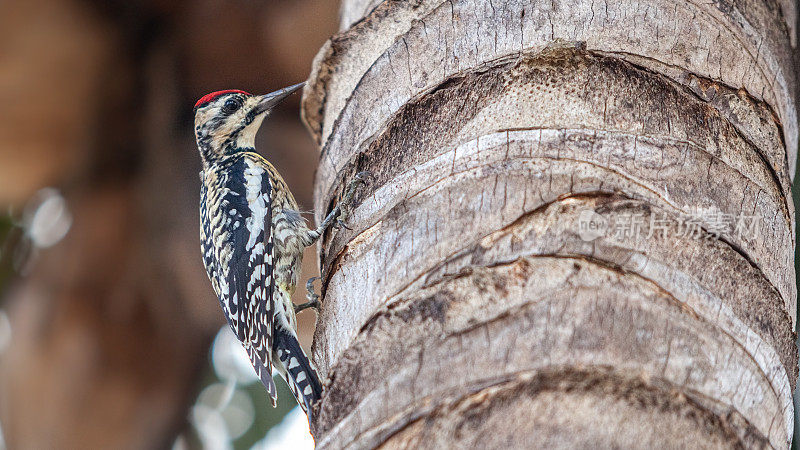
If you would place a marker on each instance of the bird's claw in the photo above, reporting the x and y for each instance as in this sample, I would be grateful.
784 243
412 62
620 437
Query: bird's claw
339 223
311 295
359 179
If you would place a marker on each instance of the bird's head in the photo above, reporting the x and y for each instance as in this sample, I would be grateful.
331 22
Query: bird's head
226 122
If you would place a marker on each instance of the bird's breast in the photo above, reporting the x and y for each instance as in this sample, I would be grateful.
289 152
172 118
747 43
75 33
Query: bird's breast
288 227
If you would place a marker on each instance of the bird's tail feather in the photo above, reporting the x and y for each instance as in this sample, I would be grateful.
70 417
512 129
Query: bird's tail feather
264 373
300 374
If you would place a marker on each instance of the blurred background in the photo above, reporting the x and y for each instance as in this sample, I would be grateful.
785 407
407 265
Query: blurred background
110 335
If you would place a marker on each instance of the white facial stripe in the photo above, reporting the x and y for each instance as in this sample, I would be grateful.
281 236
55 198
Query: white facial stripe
247 137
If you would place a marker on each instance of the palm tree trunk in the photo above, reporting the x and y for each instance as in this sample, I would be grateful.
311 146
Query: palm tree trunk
579 231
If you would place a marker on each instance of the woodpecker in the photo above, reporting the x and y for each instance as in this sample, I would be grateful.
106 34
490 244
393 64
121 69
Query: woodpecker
253 236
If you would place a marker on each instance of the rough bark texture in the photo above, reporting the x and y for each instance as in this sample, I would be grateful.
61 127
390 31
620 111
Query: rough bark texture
465 308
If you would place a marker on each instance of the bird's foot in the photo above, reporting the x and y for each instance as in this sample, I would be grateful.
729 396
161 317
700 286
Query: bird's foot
311 295
359 179
339 223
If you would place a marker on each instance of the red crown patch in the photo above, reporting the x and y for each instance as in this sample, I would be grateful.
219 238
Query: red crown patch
208 98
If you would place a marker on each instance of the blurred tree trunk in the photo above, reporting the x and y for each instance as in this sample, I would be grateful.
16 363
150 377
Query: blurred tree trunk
472 305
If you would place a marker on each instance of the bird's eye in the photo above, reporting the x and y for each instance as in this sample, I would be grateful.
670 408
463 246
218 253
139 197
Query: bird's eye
231 105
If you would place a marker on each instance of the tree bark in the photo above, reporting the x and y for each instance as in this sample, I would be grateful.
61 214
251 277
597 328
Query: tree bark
468 308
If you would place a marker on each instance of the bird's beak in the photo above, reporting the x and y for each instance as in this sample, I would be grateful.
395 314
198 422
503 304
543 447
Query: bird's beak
269 101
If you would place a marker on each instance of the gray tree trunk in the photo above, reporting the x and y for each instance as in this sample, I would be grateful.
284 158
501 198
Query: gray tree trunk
579 232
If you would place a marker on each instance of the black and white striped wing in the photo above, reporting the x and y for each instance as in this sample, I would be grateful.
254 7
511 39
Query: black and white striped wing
246 264
206 244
